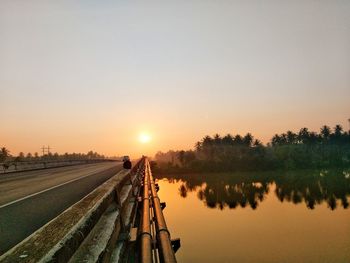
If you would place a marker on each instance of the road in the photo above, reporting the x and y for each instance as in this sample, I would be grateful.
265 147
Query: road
28 200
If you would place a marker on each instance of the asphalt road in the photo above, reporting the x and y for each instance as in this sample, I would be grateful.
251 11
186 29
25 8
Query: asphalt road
28 200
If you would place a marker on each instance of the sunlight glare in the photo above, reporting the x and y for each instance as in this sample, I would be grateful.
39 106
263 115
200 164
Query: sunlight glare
144 138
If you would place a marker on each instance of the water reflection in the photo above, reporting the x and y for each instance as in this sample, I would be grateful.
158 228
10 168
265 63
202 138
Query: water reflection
243 189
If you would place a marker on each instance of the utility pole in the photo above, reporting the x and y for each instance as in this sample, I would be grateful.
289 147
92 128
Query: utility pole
46 149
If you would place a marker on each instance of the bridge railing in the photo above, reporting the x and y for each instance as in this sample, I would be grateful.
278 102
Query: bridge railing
154 241
165 247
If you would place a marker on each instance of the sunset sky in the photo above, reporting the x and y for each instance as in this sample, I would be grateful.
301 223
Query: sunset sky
81 75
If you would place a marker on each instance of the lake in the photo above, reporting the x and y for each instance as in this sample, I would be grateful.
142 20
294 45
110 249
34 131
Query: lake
300 216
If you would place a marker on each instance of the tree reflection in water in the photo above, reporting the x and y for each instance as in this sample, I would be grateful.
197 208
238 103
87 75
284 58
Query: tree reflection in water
242 189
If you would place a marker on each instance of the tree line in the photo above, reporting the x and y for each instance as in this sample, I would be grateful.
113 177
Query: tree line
7 157
304 149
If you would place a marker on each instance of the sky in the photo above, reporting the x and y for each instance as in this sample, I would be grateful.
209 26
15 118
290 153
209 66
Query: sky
93 75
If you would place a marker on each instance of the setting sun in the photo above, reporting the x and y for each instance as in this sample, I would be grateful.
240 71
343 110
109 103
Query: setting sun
144 138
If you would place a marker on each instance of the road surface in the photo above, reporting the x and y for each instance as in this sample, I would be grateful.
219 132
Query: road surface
28 200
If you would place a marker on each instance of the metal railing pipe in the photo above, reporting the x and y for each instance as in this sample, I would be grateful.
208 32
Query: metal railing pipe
145 236
166 251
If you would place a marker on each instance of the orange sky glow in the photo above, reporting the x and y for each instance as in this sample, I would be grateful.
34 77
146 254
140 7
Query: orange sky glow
94 76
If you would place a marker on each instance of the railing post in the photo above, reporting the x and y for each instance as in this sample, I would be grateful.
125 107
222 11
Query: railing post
120 208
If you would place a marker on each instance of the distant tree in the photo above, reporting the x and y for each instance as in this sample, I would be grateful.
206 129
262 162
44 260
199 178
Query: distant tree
198 146
21 156
276 140
291 137
325 132
90 154
304 135
4 153
338 129
257 143
208 147
336 137
18 159
207 141
238 140
217 139
283 138
248 140
189 157
227 139
181 157
313 138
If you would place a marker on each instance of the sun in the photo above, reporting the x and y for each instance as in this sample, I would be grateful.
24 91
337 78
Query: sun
144 137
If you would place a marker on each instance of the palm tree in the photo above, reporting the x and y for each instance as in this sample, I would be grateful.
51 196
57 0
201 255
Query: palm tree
248 139
338 129
238 140
314 138
198 146
217 139
325 132
208 147
207 141
291 137
257 143
283 138
338 134
276 140
227 140
304 135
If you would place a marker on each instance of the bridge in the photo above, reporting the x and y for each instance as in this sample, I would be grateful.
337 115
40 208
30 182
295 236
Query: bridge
120 220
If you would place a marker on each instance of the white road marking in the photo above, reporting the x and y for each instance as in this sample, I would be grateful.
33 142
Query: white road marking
45 190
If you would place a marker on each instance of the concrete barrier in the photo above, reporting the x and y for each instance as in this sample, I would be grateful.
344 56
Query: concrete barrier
13 167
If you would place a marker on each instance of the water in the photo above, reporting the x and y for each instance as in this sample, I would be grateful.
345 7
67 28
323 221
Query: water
259 217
